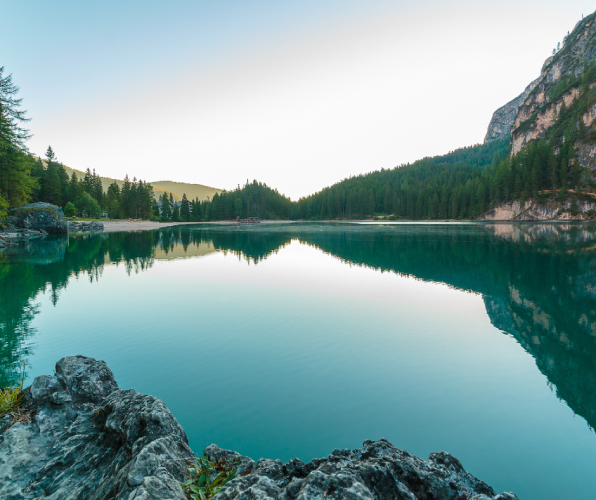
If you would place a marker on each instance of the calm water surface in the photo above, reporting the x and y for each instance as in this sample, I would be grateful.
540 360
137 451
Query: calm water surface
292 340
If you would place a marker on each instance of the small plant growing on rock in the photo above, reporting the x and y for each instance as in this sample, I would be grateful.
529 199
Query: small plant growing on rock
207 478
12 397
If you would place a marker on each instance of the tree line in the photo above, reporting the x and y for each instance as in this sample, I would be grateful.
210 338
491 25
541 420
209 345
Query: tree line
460 185
24 178
86 197
434 189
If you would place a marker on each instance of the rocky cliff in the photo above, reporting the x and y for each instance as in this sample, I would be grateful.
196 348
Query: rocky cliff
503 118
79 436
558 87
550 210
539 107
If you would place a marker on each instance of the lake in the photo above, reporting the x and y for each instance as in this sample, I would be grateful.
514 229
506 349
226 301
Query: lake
290 340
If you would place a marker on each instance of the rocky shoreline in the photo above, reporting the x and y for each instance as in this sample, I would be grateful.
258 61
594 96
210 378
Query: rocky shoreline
37 220
532 211
79 436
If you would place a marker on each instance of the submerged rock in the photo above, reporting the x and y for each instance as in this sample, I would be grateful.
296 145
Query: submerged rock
87 439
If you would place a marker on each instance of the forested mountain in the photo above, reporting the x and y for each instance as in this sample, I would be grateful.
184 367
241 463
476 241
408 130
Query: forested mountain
252 200
456 185
551 159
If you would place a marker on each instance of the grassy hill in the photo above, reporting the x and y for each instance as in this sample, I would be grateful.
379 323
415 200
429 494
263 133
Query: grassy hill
176 188
192 190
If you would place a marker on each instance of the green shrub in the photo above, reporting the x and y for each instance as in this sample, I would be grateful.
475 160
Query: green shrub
12 397
207 478
86 204
70 210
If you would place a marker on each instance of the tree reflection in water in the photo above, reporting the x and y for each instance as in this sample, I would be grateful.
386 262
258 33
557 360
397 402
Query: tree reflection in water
538 280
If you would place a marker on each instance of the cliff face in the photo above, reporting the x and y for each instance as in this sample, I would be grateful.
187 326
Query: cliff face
557 89
558 83
503 118
535 211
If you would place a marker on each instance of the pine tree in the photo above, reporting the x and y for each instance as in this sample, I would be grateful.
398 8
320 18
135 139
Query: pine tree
185 209
176 213
16 183
50 156
73 188
165 207
96 187
113 201
125 198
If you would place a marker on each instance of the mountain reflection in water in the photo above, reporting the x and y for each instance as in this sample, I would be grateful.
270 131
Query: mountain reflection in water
538 281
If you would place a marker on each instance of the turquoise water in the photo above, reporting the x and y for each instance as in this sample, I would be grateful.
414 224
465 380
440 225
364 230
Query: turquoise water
292 340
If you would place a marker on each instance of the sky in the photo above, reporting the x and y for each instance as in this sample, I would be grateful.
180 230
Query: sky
298 95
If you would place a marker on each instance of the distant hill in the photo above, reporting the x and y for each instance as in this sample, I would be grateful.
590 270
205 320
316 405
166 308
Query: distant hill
192 190
177 189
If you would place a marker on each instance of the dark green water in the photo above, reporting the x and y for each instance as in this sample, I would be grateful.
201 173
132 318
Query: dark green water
283 341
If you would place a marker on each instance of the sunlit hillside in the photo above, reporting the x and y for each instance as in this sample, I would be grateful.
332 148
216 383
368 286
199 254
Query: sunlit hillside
176 188
192 190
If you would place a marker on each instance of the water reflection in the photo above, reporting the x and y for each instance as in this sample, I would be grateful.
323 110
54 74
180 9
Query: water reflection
538 281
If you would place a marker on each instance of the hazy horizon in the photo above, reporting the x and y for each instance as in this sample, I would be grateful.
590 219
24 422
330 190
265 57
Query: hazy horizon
296 96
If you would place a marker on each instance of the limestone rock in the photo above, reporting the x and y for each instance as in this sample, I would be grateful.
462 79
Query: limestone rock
503 118
89 440
376 471
541 108
534 211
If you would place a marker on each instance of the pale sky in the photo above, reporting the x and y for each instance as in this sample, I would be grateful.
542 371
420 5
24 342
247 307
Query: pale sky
298 95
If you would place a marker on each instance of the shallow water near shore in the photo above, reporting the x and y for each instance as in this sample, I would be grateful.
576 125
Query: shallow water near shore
292 340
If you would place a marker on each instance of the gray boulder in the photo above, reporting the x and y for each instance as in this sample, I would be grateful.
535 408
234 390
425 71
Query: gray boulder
376 471
89 440
44 216
92 226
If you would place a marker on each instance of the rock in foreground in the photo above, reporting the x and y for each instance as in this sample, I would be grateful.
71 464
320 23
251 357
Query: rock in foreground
376 471
87 439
